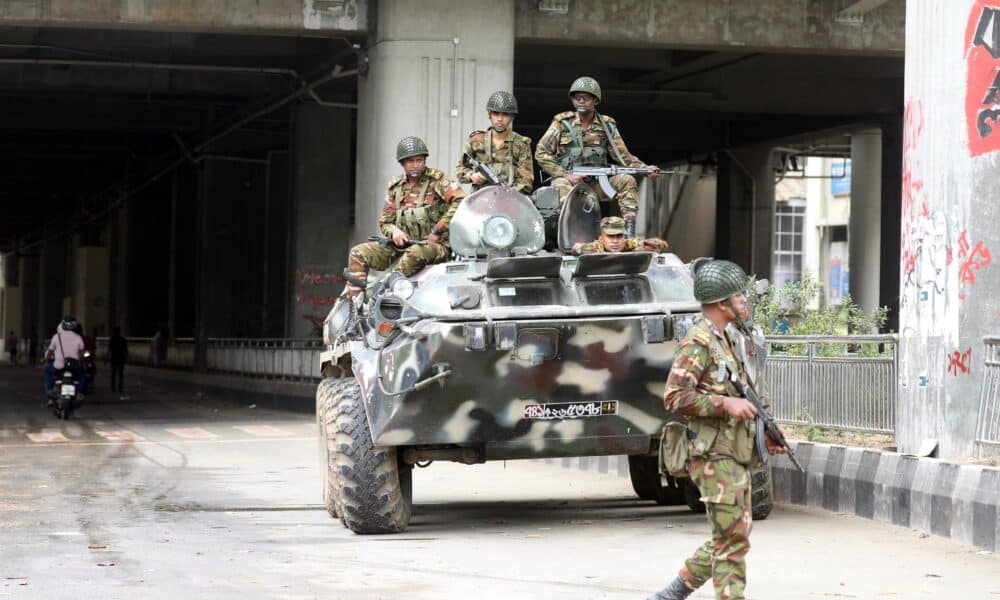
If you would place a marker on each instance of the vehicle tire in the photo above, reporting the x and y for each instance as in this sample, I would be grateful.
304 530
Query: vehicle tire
374 492
644 473
761 494
324 405
692 497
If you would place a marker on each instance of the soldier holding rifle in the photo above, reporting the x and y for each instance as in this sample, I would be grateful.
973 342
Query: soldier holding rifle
504 151
584 139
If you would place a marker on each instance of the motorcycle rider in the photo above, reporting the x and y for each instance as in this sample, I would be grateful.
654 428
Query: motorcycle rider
66 343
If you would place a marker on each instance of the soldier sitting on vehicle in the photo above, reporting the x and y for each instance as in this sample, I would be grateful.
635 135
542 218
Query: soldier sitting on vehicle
612 239
501 148
584 138
419 206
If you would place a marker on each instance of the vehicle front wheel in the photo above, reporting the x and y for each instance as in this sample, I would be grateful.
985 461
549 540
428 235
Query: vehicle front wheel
644 474
325 400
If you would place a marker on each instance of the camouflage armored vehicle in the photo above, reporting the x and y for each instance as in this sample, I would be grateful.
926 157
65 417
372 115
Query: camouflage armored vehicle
505 352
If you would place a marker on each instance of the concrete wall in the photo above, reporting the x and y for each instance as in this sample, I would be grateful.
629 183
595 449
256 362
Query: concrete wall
89 289
949 288
747 24
280 15
685 212
421 83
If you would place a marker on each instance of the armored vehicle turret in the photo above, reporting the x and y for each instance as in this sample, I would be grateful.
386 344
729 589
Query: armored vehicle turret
505 352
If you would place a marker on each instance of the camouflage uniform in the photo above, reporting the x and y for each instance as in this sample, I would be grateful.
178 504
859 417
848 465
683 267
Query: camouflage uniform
566 137
616 226
416 208
512 161
721 454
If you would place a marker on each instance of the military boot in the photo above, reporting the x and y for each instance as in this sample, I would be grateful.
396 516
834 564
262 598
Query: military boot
677 590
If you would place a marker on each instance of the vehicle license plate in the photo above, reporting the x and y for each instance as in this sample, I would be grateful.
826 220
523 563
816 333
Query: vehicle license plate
68 389
570 410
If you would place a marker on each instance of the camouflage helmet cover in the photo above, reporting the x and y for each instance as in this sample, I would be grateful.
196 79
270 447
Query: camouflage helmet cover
410 146
717 280
502 102
586 84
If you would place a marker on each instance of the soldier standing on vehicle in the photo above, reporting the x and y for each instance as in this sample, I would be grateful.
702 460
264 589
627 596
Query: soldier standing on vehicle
721 426
419 206
612 239
584 138
501 148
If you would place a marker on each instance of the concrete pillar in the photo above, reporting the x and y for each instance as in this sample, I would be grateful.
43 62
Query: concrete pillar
321 184
28 279
89 288
421 82
52 285
865 226
745 213
949 285
892 174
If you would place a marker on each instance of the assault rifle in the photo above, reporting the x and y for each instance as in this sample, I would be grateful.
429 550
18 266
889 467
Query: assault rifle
602 174
484 169
387 241
765 424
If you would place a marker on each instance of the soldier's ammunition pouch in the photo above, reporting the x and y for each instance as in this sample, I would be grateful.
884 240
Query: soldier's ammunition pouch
726 437
584 156
674 450
417 222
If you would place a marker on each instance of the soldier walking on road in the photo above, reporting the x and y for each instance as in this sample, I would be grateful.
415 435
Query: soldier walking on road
584 138
419 206
501 148
612 239
721 428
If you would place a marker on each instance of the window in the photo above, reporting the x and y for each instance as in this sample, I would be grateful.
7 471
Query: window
789 221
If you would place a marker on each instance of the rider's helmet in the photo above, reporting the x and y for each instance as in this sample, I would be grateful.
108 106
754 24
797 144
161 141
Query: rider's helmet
586 84
410 146
717 280
68 323
502 102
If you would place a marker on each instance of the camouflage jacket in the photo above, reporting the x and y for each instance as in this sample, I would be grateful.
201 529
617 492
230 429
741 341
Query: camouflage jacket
558 142
696 385
512 161
640 244
417 208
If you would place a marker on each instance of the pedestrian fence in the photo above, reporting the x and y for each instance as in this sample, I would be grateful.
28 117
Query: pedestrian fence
273 358
988 428
837 381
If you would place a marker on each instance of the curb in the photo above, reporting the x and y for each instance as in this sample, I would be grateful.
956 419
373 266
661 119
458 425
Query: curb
950 500
266 393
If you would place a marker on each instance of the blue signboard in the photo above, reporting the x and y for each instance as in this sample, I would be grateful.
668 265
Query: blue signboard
840 178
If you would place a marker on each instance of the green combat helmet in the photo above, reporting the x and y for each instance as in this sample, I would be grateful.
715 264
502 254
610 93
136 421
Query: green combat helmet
502 102
586 84
410 146
717 280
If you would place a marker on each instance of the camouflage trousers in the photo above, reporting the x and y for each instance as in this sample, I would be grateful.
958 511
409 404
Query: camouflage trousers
625 185
371 255
725 488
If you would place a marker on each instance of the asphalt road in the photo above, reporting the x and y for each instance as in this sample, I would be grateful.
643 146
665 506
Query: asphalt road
162 495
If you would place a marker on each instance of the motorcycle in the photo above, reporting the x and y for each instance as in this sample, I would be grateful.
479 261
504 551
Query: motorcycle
89 372
68 391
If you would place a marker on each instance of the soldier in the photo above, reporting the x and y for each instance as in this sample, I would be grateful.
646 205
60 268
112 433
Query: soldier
504 150
612 239
721 433
419 205
582 137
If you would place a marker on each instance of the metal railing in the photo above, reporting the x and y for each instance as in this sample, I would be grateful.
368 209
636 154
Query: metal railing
988 427
179 354
273 358
828 380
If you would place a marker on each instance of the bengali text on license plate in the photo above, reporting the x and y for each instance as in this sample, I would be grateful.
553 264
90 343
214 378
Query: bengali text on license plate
571 410
68 390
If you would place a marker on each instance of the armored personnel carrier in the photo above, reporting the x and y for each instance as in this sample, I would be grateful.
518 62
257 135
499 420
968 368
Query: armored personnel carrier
505 352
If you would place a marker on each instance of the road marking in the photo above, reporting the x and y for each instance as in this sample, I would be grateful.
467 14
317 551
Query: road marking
267 440
192 433
47 437
121 436
263 430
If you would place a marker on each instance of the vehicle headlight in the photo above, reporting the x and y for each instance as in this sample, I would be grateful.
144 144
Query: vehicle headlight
499 232
402 288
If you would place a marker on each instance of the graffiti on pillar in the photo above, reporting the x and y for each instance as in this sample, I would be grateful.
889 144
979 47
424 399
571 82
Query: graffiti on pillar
913 183
959 362
926 256
982 91
316 290
972 259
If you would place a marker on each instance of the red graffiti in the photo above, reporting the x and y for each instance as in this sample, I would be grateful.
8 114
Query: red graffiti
982 90
313 300
973 258
314 277
958 362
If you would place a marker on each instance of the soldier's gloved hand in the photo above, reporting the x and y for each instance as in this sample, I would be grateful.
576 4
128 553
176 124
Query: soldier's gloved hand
400 237
738 408
477 178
